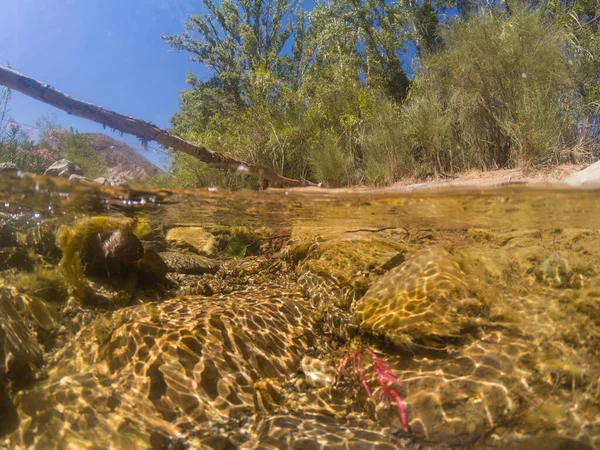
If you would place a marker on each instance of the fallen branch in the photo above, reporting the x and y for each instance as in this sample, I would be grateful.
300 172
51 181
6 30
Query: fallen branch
145 131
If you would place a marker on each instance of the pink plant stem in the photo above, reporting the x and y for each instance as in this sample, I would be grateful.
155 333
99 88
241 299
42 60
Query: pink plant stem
352 361
401 409
362 376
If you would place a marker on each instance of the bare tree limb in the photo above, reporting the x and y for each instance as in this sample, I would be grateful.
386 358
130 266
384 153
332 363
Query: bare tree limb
145 131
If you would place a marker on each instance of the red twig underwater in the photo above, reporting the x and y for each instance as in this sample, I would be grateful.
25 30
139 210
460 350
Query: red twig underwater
353 363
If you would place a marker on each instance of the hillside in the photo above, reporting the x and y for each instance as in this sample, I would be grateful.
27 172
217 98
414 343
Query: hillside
123 162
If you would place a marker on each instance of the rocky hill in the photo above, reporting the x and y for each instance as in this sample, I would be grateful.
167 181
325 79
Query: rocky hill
122 161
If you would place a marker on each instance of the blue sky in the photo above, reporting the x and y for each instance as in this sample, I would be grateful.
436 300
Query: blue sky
106 52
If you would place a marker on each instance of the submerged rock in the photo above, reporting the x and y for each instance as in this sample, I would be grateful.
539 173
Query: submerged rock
18 350
548 442
188 263
43 313
18 346
46 283
114 252
335 272
177 368
298 431
344 259
426 300
556 272
196 238
152 268
98 244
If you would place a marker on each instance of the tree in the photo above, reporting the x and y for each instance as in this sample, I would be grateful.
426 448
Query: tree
236 38
373 34
4 112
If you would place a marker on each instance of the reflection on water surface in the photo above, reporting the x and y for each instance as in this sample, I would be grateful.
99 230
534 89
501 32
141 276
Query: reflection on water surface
146 318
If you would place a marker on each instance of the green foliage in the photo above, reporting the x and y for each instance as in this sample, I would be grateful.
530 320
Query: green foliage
327 94
324 94
77 148
501 94
4 112
368 36
18 145
20 148
385 157
300 113
580 21
70 145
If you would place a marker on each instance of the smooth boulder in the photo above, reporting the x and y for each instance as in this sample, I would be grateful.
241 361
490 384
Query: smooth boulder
586 177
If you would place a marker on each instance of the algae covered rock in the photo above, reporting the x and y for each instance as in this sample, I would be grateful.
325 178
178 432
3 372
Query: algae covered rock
48 284
556 272
18 350
425 300
18 346
42 239
342 258
238 242
196 238
100 244
15 258
335 271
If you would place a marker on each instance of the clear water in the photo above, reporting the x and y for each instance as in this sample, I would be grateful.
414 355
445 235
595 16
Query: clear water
485 304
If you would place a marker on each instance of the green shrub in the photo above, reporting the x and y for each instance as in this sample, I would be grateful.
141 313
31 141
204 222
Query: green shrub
501 94
77 148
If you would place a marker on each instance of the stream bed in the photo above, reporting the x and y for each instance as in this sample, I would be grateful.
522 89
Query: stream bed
298 319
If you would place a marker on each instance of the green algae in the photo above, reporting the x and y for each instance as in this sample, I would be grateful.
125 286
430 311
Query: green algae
16 258
343 259
42 239
236 248
142 228
48 284
73 240
255 240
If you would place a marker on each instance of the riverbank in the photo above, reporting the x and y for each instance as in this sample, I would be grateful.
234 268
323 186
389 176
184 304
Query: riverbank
552 174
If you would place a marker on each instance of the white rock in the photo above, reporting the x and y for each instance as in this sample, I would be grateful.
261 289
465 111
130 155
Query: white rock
62 168
586 177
